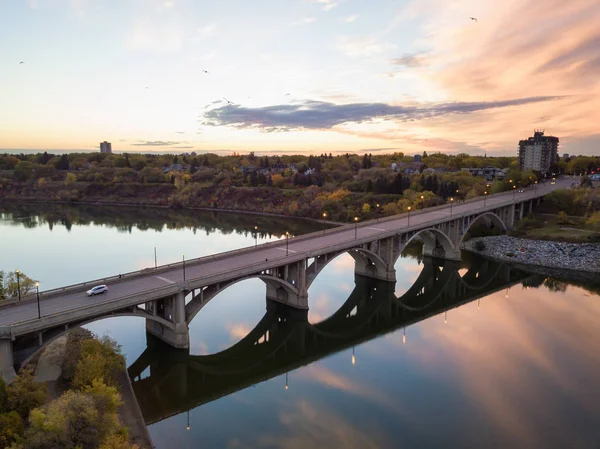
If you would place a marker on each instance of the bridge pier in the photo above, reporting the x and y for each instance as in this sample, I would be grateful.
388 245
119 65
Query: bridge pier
7 369
173 309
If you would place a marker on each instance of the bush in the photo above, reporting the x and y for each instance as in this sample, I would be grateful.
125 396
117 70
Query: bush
24 394
480 245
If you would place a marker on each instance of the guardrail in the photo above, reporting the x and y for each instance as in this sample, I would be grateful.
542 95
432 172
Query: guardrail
47 294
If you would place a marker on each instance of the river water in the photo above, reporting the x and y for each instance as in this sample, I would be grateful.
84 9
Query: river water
455 355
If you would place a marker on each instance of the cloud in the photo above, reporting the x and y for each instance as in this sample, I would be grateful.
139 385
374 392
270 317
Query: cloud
324 115
238 331
410 60
206 31
180 132
185 147
362 46
155 143
328 5
150 35
303 21
351 18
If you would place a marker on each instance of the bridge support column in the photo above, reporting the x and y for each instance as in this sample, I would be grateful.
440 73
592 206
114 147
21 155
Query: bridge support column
177 336
297 277
7 369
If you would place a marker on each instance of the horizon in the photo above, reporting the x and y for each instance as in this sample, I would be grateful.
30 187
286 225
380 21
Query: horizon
307 77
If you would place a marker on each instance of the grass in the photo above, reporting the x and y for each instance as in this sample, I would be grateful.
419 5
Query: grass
549 228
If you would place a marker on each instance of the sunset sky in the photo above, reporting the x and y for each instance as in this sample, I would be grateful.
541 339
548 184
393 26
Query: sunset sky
299 76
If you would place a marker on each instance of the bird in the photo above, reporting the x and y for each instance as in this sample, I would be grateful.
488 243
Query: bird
287 95
474 18
206 71
230 102
21 62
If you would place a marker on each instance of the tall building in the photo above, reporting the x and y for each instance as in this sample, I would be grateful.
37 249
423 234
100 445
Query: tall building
538 152
105 147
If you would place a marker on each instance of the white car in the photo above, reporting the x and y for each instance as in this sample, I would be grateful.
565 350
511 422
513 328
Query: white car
97 290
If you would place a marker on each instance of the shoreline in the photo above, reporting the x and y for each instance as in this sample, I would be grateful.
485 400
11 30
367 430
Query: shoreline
157 206
580 259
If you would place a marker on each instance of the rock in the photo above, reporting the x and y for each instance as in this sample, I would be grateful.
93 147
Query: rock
571 256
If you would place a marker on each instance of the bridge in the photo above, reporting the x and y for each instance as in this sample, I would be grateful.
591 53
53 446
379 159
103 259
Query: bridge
168 382
170 296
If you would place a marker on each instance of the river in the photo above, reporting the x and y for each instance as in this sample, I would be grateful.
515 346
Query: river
454 355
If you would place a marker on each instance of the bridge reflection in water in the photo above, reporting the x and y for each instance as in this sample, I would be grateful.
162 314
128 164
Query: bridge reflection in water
284 339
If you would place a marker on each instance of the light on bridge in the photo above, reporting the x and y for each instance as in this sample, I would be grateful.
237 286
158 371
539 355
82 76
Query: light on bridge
286 381
353 357
446 316
403 335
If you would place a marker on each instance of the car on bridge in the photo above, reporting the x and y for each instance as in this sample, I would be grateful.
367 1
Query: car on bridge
97 290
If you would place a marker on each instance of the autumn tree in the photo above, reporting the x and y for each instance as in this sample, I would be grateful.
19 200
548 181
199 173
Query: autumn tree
25 394
99 360
10 285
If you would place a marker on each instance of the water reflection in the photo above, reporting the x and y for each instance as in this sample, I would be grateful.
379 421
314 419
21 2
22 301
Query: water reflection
284 340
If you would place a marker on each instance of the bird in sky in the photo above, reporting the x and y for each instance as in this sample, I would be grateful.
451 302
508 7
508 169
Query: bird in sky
287 95
21 62
474 18
206 71
230 102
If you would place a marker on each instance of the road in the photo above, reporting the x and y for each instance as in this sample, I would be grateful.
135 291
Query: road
27 310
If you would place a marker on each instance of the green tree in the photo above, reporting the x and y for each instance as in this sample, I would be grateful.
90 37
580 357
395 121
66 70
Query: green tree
63 163
25 394
117 442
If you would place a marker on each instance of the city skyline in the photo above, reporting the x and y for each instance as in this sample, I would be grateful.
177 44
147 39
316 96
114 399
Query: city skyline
310 76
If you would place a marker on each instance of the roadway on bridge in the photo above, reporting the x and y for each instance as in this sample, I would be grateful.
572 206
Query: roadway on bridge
24 311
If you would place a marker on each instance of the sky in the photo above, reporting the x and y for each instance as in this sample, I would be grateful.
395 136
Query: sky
299 76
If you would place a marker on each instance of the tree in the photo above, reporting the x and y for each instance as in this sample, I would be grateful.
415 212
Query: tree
99 360
70 179
366 209
77 419
11 428
63 163
117 442
9 286
24 394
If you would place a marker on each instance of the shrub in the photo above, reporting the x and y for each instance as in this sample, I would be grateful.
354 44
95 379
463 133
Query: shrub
480 245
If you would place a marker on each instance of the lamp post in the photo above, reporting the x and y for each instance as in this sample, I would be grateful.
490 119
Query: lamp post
18 273
155 257
287 238
535 187
353 357
408 216
484 198
37 290
255 236
355 227
403 335
286 380
183 255
324 217
377 212
451 203
188 421
514 192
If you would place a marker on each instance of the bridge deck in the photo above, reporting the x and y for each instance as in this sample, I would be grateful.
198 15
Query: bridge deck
264 256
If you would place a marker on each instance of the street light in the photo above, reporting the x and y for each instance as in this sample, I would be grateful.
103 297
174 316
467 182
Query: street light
37 290
155 257
408 215
287 238
484 198
183 255
18 273
355 227
377 212
535 187
255 236
286 380
353 357
514 192
324 217
188 421
451 202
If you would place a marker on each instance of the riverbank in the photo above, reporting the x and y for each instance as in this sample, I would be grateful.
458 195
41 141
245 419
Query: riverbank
50 366
583 257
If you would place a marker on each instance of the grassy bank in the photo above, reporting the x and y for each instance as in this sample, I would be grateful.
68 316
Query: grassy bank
557 228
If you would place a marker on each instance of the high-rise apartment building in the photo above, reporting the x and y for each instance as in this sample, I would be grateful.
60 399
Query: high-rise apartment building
105 147
538 152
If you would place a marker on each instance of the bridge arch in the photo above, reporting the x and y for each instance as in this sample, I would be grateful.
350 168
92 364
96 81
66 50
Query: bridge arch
277 289
50 335
435 243
367 262
488 218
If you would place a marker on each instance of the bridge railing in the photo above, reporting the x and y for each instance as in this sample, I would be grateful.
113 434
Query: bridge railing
46 294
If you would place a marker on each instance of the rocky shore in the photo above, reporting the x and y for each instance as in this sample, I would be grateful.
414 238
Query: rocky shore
583 257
